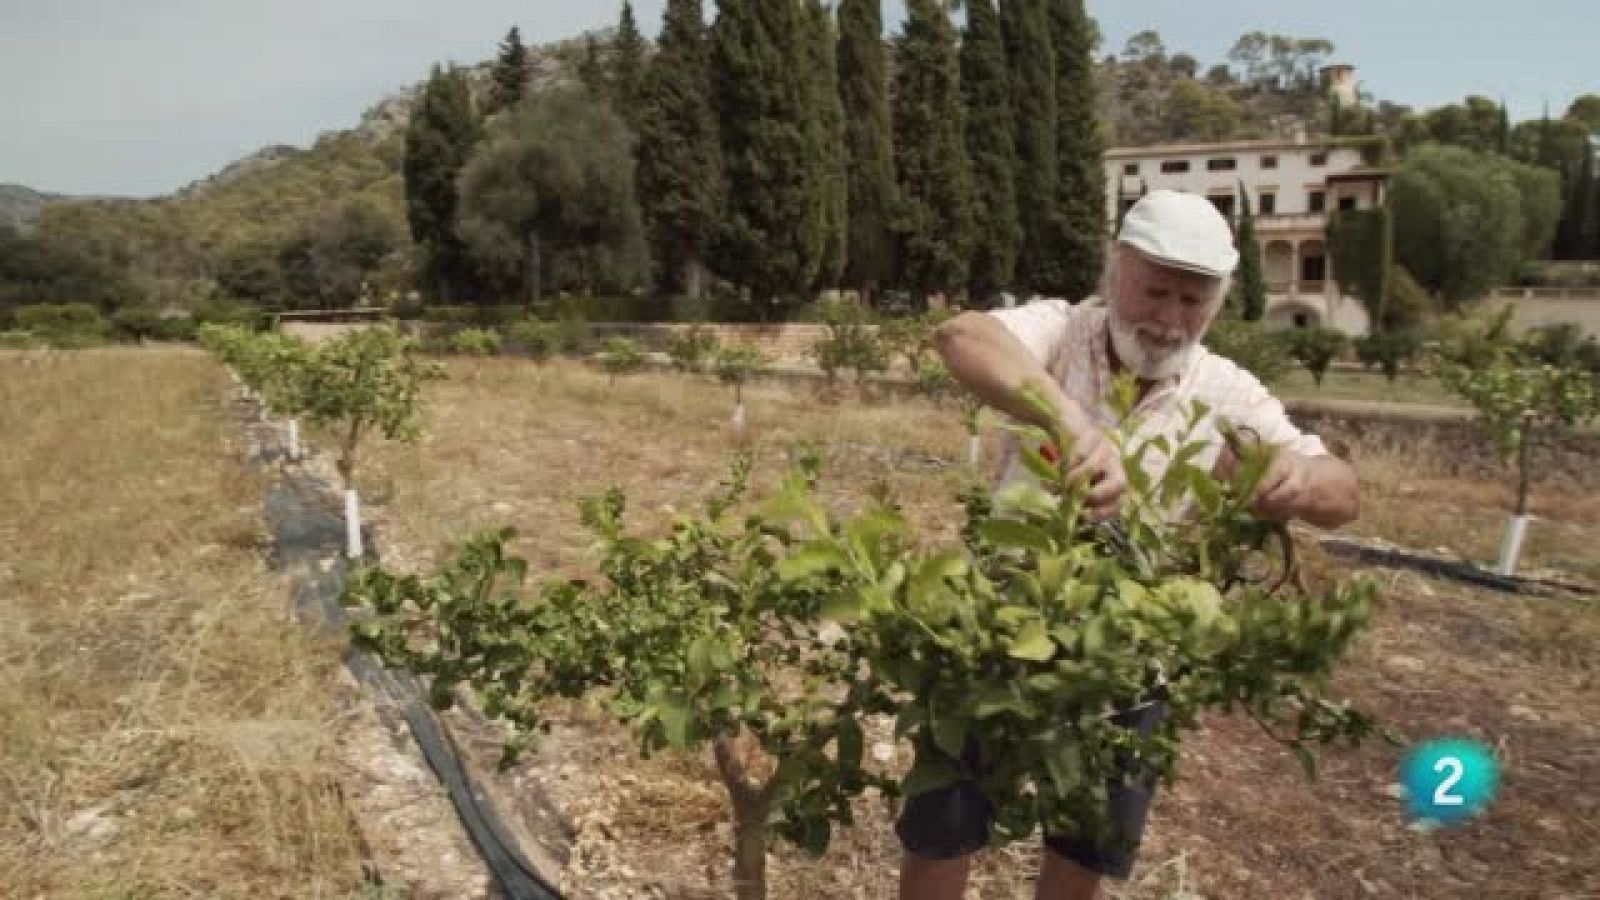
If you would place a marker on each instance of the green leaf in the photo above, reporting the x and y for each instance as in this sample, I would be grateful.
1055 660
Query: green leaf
1204 488
850 744
843 606
927 775
1032 643
1010 533
675 720
1024 497
950 734
1308 762
812 560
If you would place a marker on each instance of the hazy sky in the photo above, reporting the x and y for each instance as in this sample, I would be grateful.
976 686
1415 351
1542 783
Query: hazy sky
139 97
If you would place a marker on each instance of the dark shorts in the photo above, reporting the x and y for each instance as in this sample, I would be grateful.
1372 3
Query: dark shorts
954 821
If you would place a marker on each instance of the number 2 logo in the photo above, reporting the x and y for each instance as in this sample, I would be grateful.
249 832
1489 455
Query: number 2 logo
1441 794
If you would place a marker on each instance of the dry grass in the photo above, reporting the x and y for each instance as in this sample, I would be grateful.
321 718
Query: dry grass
164 723
509 443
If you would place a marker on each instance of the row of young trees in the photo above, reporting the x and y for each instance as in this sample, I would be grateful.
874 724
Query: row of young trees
780 149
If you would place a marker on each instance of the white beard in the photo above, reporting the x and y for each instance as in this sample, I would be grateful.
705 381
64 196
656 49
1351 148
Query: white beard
1145 362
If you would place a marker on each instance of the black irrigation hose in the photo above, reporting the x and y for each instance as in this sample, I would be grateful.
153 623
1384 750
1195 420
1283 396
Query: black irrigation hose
305 530
1396 558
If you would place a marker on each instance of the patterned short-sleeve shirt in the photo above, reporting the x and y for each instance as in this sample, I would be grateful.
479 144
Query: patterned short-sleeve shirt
1073 342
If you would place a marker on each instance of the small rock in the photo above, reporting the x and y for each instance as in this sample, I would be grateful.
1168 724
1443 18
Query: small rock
1407 663
1518 711
503 508
93 823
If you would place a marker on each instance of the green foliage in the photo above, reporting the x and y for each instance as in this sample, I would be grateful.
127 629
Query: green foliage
138 323
1521 390
851 342
1249 345
735 363
1079 223
991 138
910 337
680 158
778 622
1315 348
620 356
931 377
1458 222
64 325
540 340
825 134
476 342
627 66
17 339
868 144
933 222
1249 286
770 241
1388 350
440 139
1025 25
549 199
54 269
509 77
692 348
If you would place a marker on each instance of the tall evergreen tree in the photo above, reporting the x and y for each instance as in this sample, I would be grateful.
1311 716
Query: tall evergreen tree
933 221
991 138
1031 57
592 68
759 94
1585 228
825 133
1079 240
510 73
627 65
869 145
1250 288
439 140
680 158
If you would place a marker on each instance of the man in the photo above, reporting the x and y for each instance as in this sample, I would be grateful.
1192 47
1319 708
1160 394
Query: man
1166 279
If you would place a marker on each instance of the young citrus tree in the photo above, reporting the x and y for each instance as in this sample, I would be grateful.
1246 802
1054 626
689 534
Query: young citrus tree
620 356
364 382
734 365
1522 396
1003 659
1316 349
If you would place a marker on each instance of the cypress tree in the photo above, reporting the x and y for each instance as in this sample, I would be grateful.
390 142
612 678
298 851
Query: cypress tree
510 73
1025 25
933 224
439 140
825 133
1251 287
767 242
680 160
627 66
1079 245
992 148
1585 228
868 143
592 68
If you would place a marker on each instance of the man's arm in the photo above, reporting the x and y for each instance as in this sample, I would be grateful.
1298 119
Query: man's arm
1322 490
991 362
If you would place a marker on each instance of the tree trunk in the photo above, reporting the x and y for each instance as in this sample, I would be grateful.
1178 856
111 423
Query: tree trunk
1524 464
752 807
535 271
694 278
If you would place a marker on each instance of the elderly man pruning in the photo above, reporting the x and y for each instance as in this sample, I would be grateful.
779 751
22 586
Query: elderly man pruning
1165 281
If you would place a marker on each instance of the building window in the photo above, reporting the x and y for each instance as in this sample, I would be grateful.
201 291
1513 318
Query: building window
1347 203
1269 204
1319 158
1224 204
1318 201
1314 268
1173 166
1269 162
1130 168
1127 204
1301 320
1222 164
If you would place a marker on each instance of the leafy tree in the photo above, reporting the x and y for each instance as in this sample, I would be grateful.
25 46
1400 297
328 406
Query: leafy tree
825 134
509 77
627 66
992 149
693 348
1388 350
680 158
1458 222
620 356
868 144
440 138
1030 52
934 217
769 242
1080 225
1250 288
549 200
1249 345
1316 349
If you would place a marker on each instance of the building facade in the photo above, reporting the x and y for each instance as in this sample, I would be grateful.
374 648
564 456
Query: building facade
1293 185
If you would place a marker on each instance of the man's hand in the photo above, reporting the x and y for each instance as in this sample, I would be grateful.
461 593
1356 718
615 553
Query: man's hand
1096 461
1285 491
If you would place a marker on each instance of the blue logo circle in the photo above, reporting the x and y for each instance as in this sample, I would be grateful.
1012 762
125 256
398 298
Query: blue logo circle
1448 781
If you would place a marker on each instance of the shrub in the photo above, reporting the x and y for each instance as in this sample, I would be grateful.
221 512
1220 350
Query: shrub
540 340
1251 346
691 349
620 356
1316 349
1388 350
475 342
64 324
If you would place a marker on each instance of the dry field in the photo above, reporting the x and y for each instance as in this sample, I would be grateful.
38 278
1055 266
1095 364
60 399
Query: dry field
164 726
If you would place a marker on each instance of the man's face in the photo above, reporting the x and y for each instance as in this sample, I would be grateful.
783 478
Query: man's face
1158 313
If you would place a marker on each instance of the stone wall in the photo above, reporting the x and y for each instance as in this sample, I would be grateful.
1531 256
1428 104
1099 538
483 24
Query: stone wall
787 342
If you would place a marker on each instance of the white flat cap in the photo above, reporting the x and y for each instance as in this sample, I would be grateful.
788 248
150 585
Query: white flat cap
1181 230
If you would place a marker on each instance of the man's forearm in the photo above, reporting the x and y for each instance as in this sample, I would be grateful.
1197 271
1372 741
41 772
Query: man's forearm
1334 498
991 363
